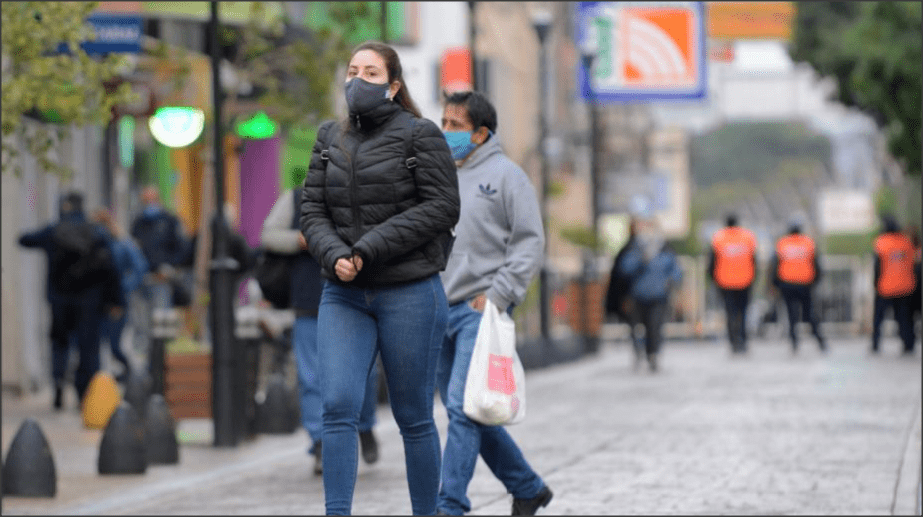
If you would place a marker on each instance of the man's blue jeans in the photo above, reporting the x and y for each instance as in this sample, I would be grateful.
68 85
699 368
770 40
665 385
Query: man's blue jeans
405 324
466 437
304 337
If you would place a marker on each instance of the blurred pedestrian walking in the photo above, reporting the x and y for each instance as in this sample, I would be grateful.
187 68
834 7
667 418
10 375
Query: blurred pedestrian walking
82 285
894 282
281 235
380 199
161 237
732 267
498 249
619 304
654 272
132 266
795 270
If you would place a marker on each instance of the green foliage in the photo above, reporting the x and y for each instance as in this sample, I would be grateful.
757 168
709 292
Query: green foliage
70 87
580 236
873 50
850 243
296 73
752 151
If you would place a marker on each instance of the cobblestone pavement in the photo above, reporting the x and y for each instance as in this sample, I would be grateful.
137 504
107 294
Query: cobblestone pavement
710 433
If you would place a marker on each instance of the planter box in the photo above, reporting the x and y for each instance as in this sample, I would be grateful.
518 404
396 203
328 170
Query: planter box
595 296
188 385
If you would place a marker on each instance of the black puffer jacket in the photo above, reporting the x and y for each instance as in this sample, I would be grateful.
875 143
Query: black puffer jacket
367 202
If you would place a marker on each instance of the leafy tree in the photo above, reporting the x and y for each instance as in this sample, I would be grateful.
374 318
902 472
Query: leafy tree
39 82
873 50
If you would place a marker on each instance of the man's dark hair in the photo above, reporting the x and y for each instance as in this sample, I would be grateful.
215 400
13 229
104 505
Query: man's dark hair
889 224
71 202
730 220
480 111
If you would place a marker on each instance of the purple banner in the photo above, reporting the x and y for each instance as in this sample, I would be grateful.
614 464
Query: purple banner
259 185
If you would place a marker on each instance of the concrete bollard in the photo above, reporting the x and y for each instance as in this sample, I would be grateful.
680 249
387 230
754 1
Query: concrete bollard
29 468
138 391
123 449
160 432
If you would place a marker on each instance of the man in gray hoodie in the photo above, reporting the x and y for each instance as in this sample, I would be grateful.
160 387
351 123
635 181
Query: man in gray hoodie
499 246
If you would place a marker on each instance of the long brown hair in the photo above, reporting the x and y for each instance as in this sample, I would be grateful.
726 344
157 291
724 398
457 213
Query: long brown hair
395 72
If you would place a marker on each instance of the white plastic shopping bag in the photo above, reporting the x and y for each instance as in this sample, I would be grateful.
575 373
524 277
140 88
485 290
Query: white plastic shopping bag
495 387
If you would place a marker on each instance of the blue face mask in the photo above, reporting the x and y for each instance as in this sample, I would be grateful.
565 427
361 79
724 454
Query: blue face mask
460 143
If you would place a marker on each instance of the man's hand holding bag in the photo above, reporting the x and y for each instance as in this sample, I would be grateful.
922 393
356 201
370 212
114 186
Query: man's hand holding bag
495 386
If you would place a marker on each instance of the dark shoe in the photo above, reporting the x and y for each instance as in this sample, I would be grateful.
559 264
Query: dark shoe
530 506
652 362
369 446
318 460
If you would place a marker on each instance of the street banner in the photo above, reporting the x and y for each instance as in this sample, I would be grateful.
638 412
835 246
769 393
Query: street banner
644 50
114 33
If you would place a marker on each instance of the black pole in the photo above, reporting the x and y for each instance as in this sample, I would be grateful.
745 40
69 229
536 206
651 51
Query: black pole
472 39
589 259
543 135
221 310
384 21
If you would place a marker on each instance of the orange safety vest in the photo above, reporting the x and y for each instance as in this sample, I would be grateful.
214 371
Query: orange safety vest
895 253
796 259
734 249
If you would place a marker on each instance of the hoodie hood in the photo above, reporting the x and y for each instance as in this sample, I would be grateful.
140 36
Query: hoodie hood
483 153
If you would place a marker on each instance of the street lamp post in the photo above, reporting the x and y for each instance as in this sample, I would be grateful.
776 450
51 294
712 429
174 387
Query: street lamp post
227 421
541 21
589 260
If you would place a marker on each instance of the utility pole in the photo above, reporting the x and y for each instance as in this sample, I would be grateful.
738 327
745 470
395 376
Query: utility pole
589 259
472 39
225 356
384 21
542 23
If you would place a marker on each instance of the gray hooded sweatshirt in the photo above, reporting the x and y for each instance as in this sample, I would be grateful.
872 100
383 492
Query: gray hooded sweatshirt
499 240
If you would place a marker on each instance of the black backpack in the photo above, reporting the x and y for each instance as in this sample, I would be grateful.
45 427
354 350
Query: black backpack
80 257
273 271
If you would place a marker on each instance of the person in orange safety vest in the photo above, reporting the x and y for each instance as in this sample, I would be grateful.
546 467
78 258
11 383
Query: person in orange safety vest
894 282
733 267
795 270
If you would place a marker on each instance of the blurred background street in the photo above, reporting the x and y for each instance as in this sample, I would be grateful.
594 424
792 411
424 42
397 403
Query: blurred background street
204 113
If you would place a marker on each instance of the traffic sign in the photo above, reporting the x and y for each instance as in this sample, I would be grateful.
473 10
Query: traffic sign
644 50
114 33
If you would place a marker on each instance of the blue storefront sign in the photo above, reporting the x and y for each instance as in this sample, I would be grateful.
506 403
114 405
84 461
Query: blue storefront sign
114 33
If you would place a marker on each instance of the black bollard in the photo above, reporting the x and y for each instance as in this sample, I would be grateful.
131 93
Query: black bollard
276 414
29 469
138 390
162 447
123 449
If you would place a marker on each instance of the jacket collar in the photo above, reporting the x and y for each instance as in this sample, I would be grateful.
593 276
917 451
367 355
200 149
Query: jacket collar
378 116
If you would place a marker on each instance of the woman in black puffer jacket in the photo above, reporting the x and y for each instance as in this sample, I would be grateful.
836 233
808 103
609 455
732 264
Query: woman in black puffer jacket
379 227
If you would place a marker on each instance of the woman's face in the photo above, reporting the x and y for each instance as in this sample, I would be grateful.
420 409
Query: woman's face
368 65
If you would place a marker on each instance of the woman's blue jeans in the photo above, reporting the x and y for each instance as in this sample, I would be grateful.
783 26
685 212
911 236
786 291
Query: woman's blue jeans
304 337
466 438
405 324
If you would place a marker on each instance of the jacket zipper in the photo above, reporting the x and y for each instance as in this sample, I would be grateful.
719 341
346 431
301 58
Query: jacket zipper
352 192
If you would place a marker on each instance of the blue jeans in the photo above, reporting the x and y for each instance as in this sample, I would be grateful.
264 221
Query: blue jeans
304 337
405 324
111 330
466 437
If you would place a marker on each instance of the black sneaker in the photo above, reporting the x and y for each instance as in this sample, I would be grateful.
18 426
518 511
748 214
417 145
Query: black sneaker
318 460
58 398
530 506
369 446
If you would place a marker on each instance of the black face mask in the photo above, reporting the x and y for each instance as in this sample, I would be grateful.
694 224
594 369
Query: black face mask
362 96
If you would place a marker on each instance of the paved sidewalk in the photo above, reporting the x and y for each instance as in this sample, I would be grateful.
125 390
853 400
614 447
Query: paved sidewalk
709 434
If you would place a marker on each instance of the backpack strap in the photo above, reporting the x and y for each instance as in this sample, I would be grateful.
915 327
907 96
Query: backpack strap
322 137
411 161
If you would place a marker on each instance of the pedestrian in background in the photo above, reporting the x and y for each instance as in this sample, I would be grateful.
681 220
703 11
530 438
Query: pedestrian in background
894 282
499 246
795 270
281 235
732 266
161 238
132 266
82 285
379 222
913 233
618 302
654 272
